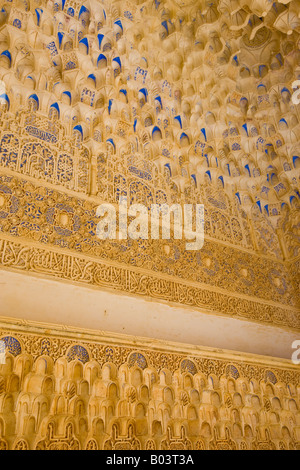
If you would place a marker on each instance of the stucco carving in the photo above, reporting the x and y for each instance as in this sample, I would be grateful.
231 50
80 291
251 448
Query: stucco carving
173 101
61 390
168 101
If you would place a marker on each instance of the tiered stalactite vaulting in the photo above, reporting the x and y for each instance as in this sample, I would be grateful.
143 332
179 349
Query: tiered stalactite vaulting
161 102
59 392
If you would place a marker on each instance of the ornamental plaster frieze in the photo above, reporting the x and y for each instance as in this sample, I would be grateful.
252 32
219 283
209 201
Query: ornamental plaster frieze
241 238
52 218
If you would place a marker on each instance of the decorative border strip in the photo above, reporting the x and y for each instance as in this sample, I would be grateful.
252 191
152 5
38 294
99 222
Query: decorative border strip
38 340
27 218
96 273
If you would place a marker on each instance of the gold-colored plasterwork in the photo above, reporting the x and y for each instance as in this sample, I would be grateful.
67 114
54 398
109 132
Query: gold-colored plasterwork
83 390
91 272
162 102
